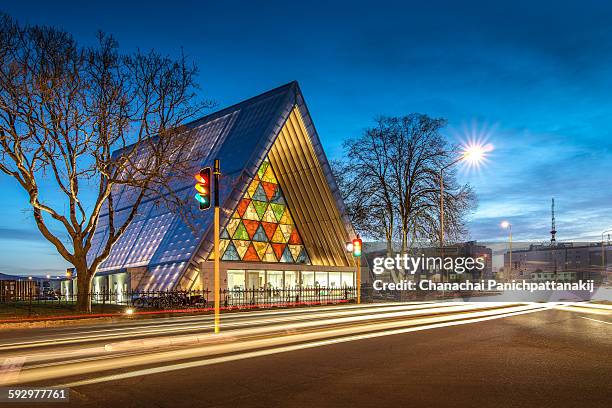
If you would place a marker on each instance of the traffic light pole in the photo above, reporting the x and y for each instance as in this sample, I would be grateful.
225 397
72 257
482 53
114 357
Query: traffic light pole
358 279
216 173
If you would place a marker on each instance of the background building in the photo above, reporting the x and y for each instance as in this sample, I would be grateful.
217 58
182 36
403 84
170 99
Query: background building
562 261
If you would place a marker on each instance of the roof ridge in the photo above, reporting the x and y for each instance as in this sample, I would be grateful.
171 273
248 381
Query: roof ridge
234 107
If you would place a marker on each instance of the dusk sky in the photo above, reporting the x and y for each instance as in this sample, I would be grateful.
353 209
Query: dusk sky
532 79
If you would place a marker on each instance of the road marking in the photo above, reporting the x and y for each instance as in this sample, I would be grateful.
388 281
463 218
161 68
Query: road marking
595 320
282 349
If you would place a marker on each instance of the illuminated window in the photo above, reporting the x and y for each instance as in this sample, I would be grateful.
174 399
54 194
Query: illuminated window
291 279
235 279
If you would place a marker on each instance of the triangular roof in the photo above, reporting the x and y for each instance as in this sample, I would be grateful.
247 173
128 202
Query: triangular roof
241 137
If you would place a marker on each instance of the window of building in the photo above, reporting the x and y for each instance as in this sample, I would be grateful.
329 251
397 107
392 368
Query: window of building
275 279
235 279
348 279
335 280
256 279
308 279
291 279
321 279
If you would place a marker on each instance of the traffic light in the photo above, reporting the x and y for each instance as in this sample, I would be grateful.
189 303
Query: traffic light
203 188
357 246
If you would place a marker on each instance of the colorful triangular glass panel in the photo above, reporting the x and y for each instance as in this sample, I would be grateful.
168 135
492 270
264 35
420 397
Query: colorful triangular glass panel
286 230
287 258
263 168
230 253
303 257
269 189
241 232
250 254
241 247
286 218
270 228
260 247
278 236
295 251
260 207
252 188
269 176
269 255
251 227
278 249
250 213
232 225
242 206
269 215
260 235
279 210
260 194
295 237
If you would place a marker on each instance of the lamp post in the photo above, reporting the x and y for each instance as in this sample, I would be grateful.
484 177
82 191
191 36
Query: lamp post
603 251
507 225
474 154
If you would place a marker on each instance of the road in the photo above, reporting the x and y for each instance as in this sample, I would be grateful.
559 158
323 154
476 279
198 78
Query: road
425 354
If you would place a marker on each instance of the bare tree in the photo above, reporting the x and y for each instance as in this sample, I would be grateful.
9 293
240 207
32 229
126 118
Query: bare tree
390 180
364 182
64 110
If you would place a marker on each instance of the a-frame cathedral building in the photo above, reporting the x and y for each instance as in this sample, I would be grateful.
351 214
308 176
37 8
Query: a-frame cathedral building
283 222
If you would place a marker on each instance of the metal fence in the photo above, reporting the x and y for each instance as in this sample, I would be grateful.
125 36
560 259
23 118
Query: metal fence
107 301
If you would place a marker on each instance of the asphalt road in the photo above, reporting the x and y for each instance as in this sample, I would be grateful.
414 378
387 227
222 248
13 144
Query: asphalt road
391 355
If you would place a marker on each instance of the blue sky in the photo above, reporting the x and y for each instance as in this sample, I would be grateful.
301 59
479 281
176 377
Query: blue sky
534 79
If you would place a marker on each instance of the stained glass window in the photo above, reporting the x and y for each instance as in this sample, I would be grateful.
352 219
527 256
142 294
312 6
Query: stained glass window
261 228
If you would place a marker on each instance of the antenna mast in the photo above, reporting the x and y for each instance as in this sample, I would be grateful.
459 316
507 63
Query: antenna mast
553 230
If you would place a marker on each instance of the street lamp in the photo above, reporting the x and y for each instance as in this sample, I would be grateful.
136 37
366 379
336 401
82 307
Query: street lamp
603 251
473 154
508 226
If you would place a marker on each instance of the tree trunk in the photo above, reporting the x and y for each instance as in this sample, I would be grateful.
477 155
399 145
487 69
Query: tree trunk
84 279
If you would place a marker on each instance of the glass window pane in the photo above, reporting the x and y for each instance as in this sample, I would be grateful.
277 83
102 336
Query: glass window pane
347 279
321 279
235 279
256 279
291 279
334 280
308 279
275 279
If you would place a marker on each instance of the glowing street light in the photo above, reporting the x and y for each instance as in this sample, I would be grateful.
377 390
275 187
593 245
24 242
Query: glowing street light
475 154
508 226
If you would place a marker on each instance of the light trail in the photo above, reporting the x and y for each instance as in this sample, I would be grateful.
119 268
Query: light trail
583 308
595 320
314 331
86 336
283 349
303 322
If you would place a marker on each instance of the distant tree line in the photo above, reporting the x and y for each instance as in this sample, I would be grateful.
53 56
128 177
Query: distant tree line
390 181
